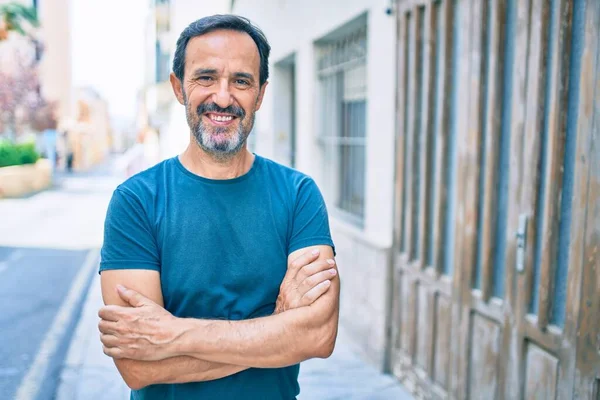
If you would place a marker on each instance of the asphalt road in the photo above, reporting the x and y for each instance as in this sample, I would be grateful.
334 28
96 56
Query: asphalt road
44 242
33 285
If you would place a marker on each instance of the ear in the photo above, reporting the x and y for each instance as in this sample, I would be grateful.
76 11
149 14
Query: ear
177 88
261 95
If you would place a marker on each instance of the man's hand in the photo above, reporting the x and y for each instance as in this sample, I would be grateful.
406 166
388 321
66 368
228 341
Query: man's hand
143 331
305 281
146 330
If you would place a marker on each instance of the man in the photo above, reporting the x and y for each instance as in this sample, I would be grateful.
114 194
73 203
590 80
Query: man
235 247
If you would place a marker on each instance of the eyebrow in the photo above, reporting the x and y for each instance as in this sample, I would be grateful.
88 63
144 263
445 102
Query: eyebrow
208 71
203 71
244 75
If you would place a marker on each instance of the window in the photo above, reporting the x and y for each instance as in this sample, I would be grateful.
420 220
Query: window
284 86
341 112
163 63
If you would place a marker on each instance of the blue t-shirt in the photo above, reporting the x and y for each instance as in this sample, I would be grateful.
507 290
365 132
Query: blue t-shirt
221 247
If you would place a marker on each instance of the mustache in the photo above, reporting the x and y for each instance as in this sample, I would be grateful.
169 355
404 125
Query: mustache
213 107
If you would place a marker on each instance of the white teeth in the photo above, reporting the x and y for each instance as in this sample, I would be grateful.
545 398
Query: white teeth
221 118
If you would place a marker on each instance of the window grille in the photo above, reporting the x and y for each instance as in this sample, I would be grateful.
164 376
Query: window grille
342 106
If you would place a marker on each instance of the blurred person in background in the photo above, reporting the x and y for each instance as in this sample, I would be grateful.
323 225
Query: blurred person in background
69 149
217 267
50 135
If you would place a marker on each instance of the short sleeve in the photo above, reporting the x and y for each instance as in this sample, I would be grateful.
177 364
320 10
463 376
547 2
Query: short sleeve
129 242
310 226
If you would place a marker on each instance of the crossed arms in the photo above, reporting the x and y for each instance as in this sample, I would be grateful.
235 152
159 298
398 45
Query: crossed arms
151 346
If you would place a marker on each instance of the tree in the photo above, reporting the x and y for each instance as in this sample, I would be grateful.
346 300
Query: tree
14 16
20 97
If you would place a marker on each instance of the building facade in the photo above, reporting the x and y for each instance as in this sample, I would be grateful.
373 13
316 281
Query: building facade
457 144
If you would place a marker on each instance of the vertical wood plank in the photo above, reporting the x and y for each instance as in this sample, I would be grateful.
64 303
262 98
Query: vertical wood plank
400 210
400 205
499 40
419 94
472 145
461 277
517 299
413 318
427 101
534 105
492 123
530 157
431 329
469 144
409 124
582 324
442 109
406 299
442 344
424 327
555 151
395 313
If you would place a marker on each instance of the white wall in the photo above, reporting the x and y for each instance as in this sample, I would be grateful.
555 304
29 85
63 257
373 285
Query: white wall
292 27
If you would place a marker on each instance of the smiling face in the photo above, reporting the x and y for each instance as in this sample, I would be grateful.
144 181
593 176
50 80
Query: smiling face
220 90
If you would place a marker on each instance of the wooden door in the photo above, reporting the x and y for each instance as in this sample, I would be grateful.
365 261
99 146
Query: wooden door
425 303
555 159
497 229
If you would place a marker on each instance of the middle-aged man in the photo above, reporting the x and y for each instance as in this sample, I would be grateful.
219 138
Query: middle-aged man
218 266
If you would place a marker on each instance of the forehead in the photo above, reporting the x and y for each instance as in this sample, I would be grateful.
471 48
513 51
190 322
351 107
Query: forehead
223 49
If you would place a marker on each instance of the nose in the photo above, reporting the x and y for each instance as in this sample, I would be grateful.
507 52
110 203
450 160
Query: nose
222 97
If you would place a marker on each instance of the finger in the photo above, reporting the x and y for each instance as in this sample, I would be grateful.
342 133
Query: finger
132 297
312 295
316 279
109 340
107 327
305 258
315 267
113 352
111 313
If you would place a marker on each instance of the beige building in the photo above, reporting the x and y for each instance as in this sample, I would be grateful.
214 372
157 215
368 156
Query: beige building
80 110
55 66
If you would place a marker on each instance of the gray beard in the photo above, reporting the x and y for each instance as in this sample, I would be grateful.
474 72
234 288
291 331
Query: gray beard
220 150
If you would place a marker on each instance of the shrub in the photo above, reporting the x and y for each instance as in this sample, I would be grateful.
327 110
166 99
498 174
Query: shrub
17 154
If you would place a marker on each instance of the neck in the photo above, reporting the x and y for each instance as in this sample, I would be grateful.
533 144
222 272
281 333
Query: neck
204 164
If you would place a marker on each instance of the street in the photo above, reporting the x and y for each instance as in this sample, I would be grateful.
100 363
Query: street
48 255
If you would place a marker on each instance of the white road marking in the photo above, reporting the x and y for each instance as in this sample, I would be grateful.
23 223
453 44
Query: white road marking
31 383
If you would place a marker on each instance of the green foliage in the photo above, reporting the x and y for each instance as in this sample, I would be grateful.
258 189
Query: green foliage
14 13
17 154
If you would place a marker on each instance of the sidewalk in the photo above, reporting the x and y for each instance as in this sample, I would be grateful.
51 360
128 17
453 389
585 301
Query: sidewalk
89 375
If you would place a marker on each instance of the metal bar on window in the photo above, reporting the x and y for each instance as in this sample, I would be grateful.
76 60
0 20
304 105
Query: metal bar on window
341 69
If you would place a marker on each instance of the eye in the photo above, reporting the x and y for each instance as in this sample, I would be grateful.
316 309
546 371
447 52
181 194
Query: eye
242 82
205 78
